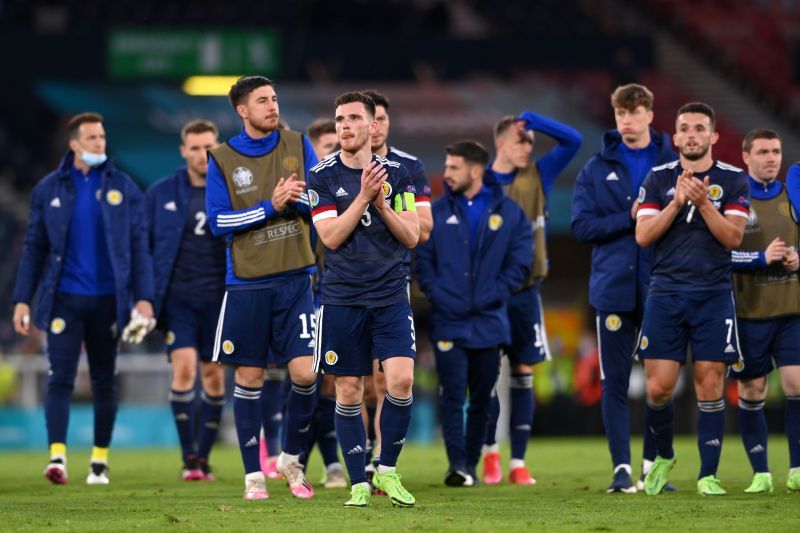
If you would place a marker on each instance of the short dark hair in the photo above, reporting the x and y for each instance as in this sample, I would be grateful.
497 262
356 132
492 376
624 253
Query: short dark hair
472 152
378 98
758 133
244 86
75 122
356 96
198 126
631 96
320 127
503 125
699 107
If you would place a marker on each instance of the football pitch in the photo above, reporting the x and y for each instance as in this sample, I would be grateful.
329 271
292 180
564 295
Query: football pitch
146 494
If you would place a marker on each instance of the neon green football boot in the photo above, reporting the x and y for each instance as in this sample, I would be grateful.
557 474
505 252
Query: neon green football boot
709 486
762 484
793 481
359 496
391 485
657 478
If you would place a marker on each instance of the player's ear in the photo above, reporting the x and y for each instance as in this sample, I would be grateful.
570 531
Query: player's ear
241 110
373 126
649 117
714 138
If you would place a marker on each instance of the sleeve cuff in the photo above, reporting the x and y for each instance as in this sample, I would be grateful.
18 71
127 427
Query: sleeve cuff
321 213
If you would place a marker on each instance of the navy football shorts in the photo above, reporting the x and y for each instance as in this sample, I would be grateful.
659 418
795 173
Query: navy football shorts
528 336
704 321
347 337
766 344
254 323
191 323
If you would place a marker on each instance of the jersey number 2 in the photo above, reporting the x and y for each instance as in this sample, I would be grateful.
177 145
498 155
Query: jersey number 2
200 227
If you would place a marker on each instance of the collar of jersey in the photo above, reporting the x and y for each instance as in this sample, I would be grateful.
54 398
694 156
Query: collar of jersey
246 145
759 191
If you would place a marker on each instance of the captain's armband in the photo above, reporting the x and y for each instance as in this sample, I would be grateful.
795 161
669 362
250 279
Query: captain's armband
405 201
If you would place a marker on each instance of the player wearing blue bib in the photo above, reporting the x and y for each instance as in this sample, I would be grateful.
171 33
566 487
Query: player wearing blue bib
364 211
375 387
268 308
693 211
189 270
768 306
527 182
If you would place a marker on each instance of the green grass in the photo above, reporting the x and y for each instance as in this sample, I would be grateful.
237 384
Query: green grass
145 493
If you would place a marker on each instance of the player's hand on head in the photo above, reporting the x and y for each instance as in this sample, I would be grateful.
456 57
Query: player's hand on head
791 261
776 251
22 319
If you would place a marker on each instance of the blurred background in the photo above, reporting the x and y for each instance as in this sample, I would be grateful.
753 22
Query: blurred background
450 70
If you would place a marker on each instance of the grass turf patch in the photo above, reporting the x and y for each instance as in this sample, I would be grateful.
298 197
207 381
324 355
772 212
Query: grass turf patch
146 493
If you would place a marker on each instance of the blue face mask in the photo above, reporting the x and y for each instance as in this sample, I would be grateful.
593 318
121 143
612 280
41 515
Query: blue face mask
92 159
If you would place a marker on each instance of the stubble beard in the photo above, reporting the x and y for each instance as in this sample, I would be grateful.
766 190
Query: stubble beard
696 156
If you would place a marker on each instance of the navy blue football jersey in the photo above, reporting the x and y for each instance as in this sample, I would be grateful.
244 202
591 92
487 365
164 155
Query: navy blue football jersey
367 269
421 185
688 257
417 173
199 270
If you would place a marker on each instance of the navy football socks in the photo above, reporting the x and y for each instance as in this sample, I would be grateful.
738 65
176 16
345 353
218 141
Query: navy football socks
352 437
247 413
710 430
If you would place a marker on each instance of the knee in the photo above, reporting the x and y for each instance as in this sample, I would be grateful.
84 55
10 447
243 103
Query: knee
183 377
790 388
62 373
61 380
304 377
709 387
349 391
790 380
214 381
400 385
104 383
658 393
104 388
522 369
753 390
251 377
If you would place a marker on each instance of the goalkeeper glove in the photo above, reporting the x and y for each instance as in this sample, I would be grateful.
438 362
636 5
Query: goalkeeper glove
137 328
